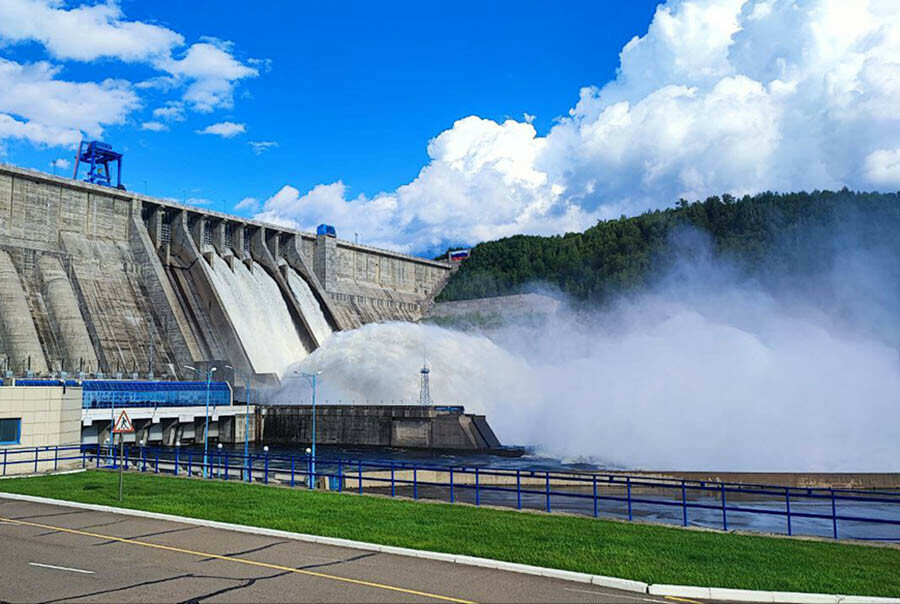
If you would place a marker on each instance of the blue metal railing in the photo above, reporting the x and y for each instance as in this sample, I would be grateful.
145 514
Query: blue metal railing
629 495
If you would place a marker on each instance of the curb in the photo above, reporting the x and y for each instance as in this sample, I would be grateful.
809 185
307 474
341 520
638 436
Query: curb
677 591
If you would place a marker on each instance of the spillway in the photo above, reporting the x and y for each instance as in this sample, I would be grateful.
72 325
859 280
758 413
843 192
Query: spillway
65 316
259 314
310 306
20 338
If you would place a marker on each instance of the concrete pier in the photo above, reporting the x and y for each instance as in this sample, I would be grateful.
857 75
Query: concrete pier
400 426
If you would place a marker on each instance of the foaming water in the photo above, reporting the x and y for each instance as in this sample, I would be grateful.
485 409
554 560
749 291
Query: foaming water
309 305
259 314
730 380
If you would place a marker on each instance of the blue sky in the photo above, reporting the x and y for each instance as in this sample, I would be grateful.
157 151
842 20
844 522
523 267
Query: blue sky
354 90
422 125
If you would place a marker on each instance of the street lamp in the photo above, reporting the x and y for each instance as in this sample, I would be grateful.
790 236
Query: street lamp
247 381
311 378
206 427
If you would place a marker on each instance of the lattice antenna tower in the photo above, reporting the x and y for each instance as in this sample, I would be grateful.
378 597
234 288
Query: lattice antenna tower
424 387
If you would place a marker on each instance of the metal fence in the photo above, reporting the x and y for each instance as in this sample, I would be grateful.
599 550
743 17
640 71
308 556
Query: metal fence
837 513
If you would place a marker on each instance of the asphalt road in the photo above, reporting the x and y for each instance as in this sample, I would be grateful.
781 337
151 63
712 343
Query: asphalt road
60 554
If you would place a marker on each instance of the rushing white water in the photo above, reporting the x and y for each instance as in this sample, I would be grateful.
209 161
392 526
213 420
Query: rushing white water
309 305
704 374
259 314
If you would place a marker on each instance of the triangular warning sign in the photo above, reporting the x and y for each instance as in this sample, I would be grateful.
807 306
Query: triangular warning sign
123 424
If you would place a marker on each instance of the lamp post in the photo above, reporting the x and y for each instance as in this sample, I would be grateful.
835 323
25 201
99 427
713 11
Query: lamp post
247 381
311 378
209 373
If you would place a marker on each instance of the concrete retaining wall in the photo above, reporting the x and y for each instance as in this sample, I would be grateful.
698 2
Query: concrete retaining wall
402 426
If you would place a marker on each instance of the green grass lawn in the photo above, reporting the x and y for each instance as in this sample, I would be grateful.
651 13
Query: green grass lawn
654 554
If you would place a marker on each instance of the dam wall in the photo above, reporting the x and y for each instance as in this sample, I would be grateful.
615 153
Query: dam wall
96 280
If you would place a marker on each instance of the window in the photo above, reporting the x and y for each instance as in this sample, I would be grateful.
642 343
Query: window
10 431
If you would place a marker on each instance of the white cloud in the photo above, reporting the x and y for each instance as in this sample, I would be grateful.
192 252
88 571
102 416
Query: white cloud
882 167
45 110
61 164
36 133
212 71
224 129
36 106
250 204
198 201
154 126
172 111
261 146
718 96
84 33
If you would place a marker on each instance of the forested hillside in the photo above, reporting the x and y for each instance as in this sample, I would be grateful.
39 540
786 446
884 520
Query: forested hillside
770 233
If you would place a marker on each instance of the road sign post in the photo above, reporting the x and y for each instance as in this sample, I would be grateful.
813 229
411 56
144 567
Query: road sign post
122 426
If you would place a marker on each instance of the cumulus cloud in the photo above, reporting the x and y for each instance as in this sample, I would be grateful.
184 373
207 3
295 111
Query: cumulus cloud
48 111
882 167
84 33
250 204
61 164
36 106
718 96
212 70
224 129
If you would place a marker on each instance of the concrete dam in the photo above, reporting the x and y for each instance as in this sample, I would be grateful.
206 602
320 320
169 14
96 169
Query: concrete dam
96 280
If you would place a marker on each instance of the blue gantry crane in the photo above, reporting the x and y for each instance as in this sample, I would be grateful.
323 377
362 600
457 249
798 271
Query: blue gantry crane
99 156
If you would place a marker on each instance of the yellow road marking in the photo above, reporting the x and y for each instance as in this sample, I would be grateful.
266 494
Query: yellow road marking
298 571
677 599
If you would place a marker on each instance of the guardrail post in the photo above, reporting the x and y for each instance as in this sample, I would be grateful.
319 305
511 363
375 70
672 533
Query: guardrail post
359 484
724 508
157 462
628 490
518 489
547 488
266 470
834 514
340 476
683 504
477 489
596 508
292 471
83 457
392 479
787 504
451 485
35 459
143 459
190 463
249 460
415 482
226 465
176 461
97 459
55 458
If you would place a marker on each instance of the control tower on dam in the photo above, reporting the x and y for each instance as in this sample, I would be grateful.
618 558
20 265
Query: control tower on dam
99 280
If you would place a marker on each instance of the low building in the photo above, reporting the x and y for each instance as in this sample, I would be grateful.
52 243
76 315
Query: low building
37 417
